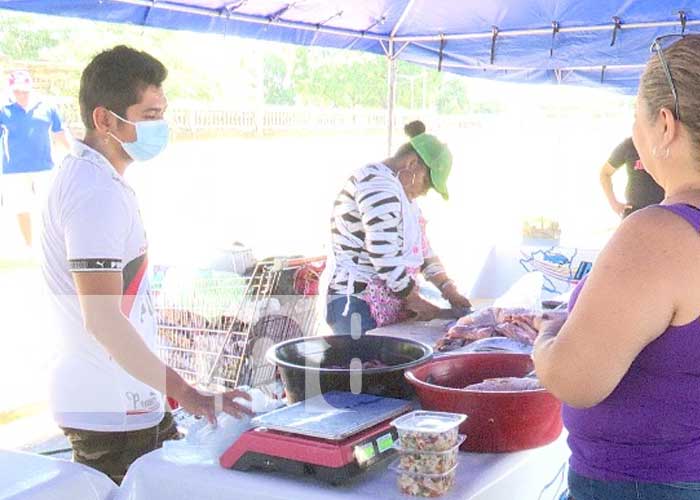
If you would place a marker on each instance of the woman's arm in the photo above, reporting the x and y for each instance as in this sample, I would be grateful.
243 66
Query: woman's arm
629 299
435 273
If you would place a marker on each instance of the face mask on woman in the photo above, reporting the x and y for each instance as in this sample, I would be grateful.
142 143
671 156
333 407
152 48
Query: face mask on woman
151 139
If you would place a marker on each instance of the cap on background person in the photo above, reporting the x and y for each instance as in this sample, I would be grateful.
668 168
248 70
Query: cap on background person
20 80
434 153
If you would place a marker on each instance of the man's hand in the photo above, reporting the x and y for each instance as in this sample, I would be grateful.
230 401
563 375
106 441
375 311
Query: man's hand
425 311
619 208
456 299
208 405
61 138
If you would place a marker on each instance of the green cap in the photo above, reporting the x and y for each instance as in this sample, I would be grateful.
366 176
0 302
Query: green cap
437 157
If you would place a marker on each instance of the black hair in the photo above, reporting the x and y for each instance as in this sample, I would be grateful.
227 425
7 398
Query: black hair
115 79
412 129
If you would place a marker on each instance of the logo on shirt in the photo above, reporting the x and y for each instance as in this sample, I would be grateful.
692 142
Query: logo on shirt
99 264
138 405
638 165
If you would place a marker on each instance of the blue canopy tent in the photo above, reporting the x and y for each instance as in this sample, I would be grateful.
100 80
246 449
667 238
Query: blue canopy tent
579 42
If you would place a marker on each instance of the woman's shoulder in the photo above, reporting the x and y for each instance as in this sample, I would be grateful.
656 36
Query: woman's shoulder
376 176
654 233
686 211
374 169
663 219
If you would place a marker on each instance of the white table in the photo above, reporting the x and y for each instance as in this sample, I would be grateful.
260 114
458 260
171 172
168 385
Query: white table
428 332
25 476
480 476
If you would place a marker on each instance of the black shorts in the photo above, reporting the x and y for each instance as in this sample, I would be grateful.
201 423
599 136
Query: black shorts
113 452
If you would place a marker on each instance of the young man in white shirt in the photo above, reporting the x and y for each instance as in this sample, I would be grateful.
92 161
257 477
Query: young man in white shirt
108 385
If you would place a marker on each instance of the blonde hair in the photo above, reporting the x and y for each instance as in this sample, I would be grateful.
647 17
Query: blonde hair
683 60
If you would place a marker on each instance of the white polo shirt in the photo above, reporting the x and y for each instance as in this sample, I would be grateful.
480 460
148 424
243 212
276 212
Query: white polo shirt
92 223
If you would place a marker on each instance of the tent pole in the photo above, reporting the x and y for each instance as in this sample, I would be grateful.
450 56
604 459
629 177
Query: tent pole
402 18
485 69
264 20
391 95
539 31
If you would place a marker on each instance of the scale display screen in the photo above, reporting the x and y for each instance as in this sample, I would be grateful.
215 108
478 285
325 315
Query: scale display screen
385 442
364 452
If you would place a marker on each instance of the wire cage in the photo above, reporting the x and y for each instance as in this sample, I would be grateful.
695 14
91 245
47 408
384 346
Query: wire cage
214 328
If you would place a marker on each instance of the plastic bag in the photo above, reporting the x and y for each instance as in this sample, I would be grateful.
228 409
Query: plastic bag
206 442
525 293
214 440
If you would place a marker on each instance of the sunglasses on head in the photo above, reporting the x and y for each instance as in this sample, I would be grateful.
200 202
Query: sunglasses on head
657 46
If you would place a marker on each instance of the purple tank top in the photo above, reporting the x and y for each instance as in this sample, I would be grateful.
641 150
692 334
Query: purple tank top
648 429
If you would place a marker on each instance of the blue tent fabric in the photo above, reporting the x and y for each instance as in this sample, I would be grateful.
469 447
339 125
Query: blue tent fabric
578 42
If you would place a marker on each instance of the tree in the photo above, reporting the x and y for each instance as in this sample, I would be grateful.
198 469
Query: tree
20 39
452 98
277 89
323 78
209 68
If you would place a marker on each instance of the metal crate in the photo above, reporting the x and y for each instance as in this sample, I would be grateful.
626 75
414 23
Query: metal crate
215 328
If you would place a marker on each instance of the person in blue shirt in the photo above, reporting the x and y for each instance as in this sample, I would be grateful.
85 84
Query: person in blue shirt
28 126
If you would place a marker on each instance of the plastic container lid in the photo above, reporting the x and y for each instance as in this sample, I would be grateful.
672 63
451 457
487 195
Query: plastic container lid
412 451
428 421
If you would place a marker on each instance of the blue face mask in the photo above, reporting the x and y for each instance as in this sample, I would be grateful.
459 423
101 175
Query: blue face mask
151 139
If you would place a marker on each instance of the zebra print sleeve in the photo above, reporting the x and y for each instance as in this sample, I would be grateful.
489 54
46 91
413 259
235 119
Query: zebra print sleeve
432 266
379 204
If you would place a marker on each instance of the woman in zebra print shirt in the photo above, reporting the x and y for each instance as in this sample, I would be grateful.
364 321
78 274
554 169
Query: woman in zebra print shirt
378 239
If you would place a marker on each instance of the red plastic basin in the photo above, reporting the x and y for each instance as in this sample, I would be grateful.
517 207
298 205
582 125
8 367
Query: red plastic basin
496 421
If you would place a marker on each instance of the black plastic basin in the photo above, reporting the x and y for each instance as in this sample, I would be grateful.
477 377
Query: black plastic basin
315 365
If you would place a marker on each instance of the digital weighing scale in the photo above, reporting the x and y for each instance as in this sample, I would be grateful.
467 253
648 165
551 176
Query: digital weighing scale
333 437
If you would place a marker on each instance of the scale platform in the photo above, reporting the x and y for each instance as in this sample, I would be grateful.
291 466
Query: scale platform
333 437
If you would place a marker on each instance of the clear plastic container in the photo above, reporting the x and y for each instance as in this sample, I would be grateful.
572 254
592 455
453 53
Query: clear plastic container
423 485
428 462
428 430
